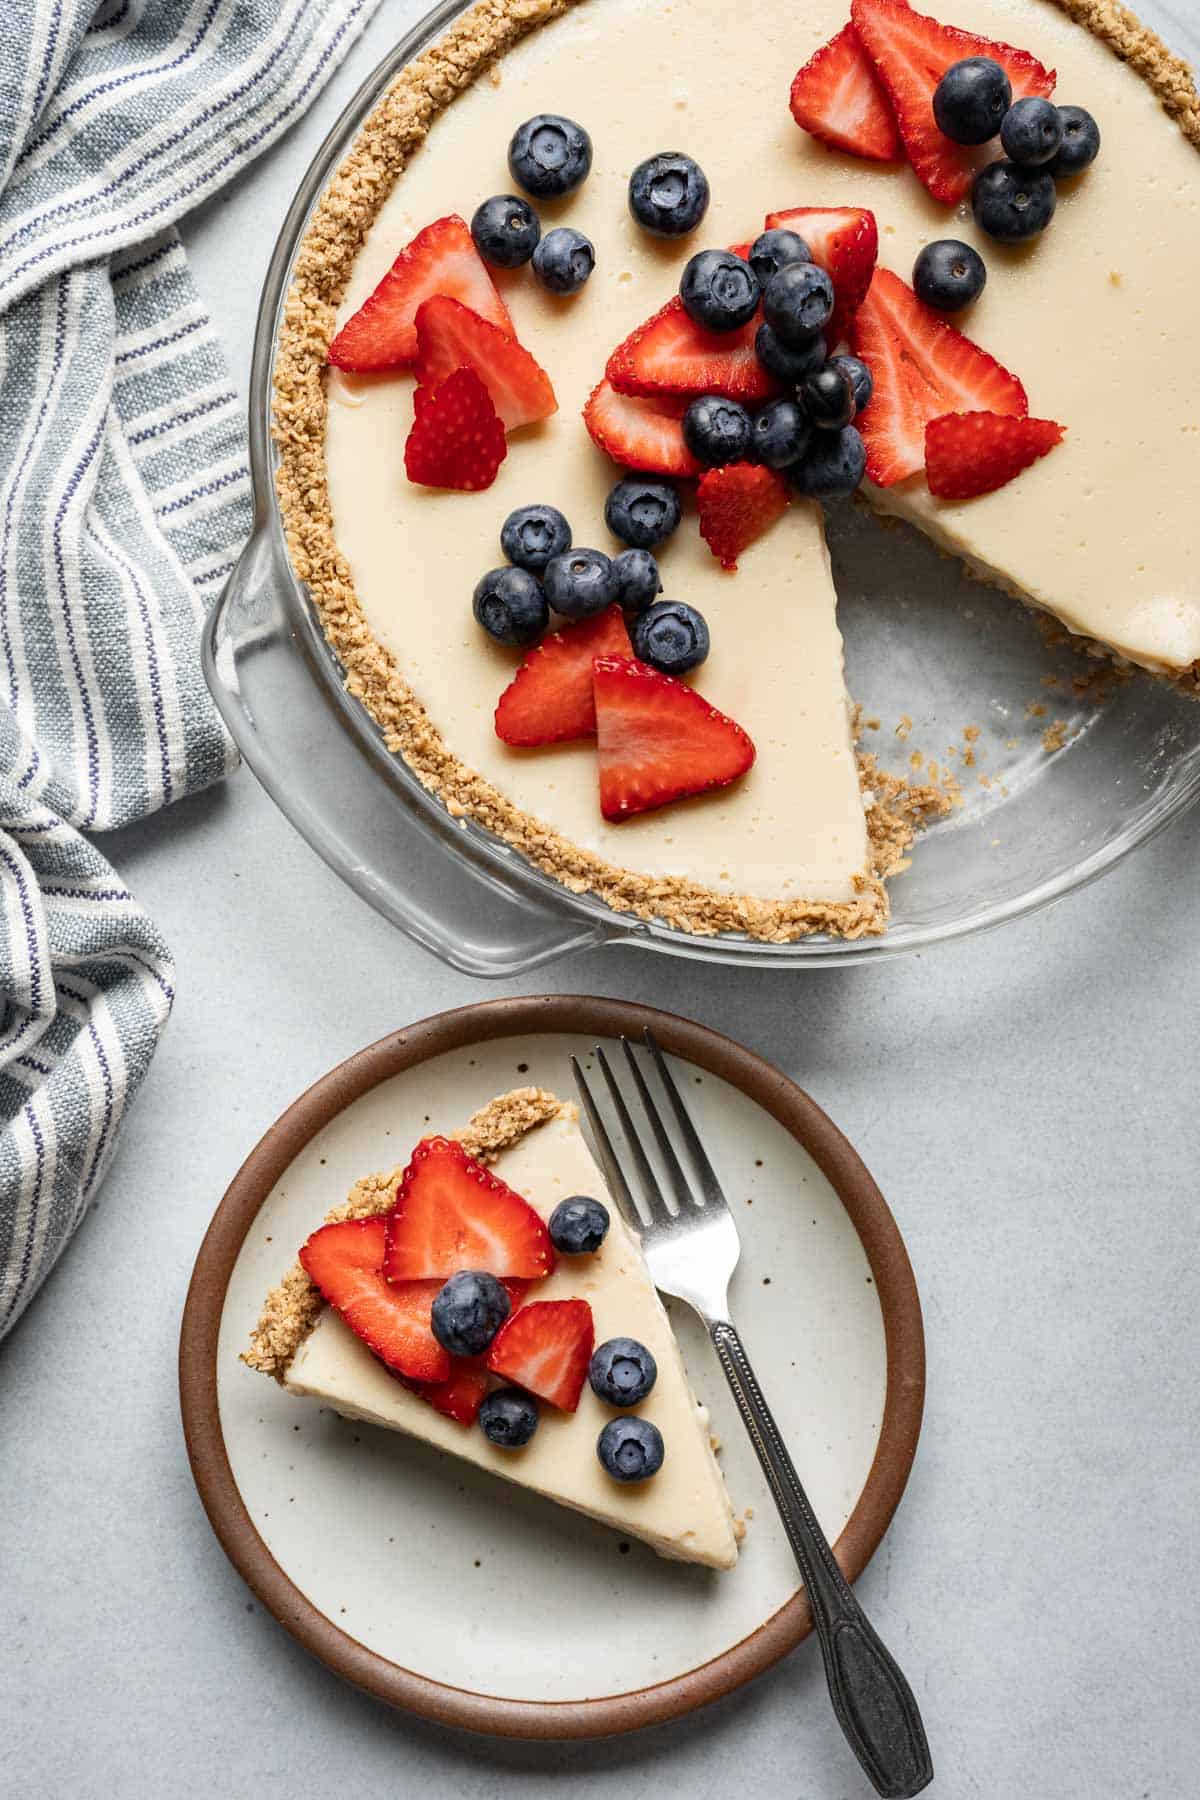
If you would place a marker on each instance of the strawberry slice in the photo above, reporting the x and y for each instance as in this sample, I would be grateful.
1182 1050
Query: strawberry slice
969 453
451 1213
440 260
839 98
844 241
549 699
461 1395
640 434
737 504
457 439
450 336
923 367
545 1348
658 740
671 354
345 1262
911 53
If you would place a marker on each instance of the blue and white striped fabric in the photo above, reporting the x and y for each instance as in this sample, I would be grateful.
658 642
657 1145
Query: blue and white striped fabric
124 498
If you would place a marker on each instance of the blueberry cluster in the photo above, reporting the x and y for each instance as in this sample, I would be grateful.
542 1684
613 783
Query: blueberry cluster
622 1373
549 156
1014 198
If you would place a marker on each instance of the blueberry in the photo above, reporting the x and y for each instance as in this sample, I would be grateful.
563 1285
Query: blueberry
638 579
508 1418
827 396
578 1226
719 290
506 230
1032 131
511 607
1013 204
531 535
834 465
630 1449
563 260
798 302
788 363
579 583
781 433
622 1371
670 636
642 512
717 430
469 1311
1080 141
861 379
949 274
549 155
971 99
774 250
668 194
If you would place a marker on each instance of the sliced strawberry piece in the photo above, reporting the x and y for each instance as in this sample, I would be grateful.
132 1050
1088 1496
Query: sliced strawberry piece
461 1395
969 453
450 336
451 1213
658 740
640 434
545 1348
922 367
844 241
839 98
549 699
440 260
737 504
671 354
345 1262
457 439
912 53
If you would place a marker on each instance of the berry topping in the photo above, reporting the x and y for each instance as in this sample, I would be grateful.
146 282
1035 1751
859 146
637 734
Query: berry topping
452 1213
461 1396
579 1226
949 274
717 430
774 250
450 336
860 378
668 194
911 53
345 1263
832 466
798 302
1032 131
788 363
971 99
670 636
671 354
642 513
922 367
839 98
640 434
975 452
579 583
531 535
545 1348
1011 203
659 740
457 439
549 155
719 290
468 1312
440 260
638 579
564 260
508 1418
511 607
549 699
780 434
844 241
1080 141
630 1449
505 230
622 1371
737 505
827 396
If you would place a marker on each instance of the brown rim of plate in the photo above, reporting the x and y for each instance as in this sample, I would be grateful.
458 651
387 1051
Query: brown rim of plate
576 1015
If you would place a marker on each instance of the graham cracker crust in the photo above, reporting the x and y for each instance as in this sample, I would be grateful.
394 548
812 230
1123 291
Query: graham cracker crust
399 123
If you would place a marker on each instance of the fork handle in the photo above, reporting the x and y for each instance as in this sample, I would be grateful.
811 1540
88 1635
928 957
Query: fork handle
873 1702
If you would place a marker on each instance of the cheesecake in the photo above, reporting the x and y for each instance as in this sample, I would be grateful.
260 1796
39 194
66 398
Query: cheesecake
1096 319
525 1144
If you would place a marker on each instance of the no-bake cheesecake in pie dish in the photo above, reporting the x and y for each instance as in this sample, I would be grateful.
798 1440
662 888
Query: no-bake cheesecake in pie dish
609 297
488 1299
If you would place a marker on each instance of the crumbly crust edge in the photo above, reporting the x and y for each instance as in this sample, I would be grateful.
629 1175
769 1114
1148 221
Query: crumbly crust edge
398 124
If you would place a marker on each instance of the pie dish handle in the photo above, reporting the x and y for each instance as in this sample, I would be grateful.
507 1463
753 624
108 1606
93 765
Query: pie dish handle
282 697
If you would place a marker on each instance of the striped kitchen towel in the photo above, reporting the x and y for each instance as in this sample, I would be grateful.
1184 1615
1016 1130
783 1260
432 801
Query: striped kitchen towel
124 499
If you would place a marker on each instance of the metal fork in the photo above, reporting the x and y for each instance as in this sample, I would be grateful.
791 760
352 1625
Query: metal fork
691 1253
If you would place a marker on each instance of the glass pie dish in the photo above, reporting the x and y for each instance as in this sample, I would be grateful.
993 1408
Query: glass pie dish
1063 764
